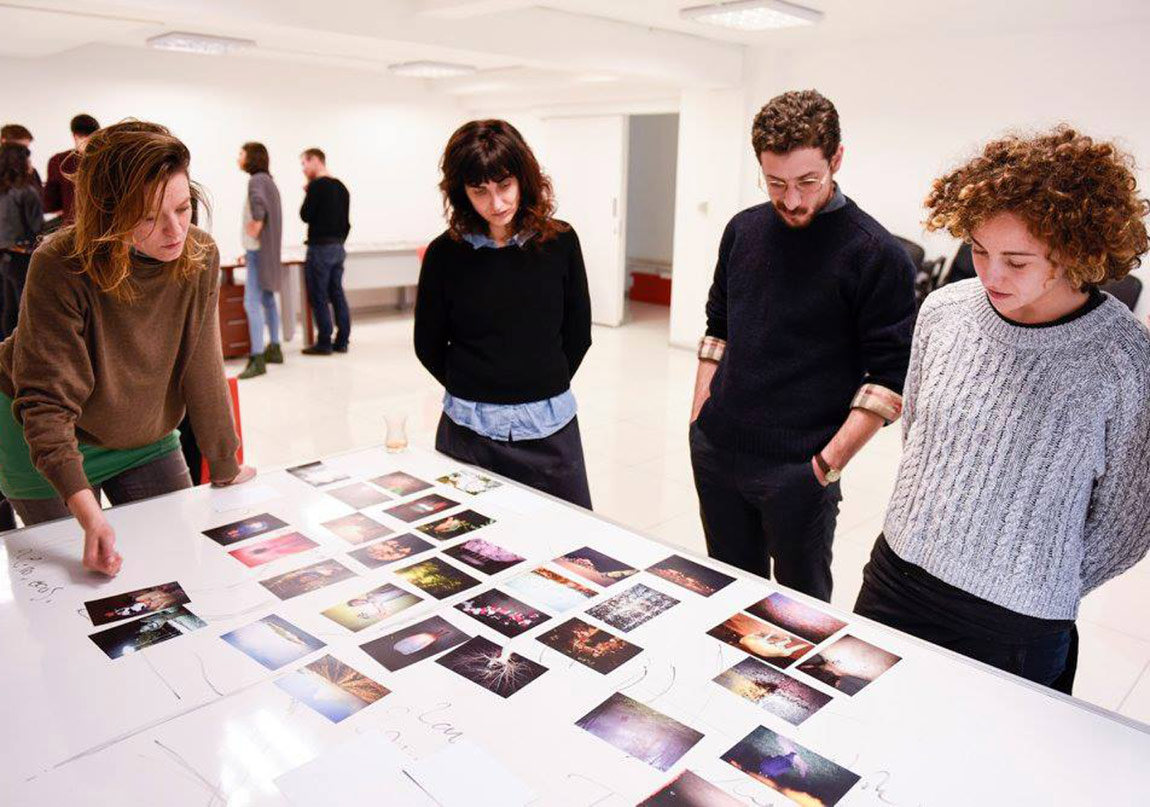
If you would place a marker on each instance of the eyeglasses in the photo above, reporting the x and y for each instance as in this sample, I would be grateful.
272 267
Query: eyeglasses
807 186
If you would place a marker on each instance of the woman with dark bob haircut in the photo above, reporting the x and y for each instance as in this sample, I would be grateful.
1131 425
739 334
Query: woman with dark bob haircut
1025 475
503 316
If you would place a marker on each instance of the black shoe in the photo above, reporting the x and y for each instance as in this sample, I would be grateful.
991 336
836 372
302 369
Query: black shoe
316 350
339 348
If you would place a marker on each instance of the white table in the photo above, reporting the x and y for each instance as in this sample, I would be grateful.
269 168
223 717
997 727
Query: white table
193 721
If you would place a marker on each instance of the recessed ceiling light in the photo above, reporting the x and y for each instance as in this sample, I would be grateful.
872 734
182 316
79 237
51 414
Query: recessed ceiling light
753 15
431 69
199 43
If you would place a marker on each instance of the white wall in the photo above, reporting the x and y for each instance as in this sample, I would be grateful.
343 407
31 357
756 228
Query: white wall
383 136
651 165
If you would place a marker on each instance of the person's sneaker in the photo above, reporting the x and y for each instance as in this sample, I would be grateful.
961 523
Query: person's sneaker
274 354
339 348
316 350
256 366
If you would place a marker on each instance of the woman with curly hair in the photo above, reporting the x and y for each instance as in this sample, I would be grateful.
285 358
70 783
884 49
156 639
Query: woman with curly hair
1025 477
503 316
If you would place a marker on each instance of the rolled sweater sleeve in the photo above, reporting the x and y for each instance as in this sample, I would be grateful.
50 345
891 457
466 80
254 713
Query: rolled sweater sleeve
431 309
576 309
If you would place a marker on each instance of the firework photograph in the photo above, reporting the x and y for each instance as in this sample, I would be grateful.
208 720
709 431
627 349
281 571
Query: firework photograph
390 550
307 578
332 688
469 482
372 607
437 577
486 557
773 645
317 474
690 575
639 731
130 637
456 525
689 790
359 495
135 603
593 565
492 667
773 691
266 551
500 612
400 484
414 643
551 590
592 647
421 508
357 528
272 641
242 530
802 620
849 664
632 608
796 772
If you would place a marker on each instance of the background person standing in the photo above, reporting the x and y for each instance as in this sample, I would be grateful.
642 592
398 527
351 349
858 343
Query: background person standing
325 208
263 237
59 190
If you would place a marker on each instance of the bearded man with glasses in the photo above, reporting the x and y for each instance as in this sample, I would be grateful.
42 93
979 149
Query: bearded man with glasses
809 325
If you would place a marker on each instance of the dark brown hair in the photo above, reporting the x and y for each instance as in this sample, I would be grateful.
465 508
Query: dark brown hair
317 153
490 151
794 120
14 131
256 160
14 167
84 125
1078 196
121 176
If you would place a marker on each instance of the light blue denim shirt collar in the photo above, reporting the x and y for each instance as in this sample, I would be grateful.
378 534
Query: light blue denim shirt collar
837 201
480 240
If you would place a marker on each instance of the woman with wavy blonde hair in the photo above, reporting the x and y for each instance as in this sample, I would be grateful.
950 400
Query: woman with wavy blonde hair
1025 477
118 337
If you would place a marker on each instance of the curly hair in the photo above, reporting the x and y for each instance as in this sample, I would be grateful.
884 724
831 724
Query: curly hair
797 119
1079 196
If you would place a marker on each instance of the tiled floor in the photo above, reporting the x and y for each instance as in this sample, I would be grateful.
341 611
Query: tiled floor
634 395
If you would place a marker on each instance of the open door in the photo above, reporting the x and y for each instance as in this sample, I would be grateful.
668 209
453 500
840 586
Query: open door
586 158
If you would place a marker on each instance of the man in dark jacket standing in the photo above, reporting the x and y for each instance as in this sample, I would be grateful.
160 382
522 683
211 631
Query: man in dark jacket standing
59 192
325 209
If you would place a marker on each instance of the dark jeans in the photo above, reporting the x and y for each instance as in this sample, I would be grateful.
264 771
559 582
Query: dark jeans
323 270
552 464
13 273
765 516
163 475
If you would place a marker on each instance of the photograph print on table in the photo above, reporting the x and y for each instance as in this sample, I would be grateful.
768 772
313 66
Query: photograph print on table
689 790
592 647
135 603
787 767
631 608
359 495
130 637
371 607
469 482
849 664
307 578
390 550
800 619
690 575
492 667
773 691
486 557
550 589
639 731
272 641
773 645
500 612
593 565
238 531
317 474
437 577
357 528
422 507
332 688
414 643
400 484
282 546
456 525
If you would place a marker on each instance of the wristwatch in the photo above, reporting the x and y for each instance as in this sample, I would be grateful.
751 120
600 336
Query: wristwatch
832 474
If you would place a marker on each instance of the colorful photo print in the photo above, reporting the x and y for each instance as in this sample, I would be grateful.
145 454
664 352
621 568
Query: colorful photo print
469 482
359 495
486 557
272 641
456 525
595 566
135 603
631 608
414 643
308 578
390 550
421 508
798 773
550 589
123 640
400 484
238 531
437 577
800 619
689 790
317 474
639 731
485 663
773 645
849 664
357 528
500 612
690 575
371 607
281 546
593 647
774 691
332 688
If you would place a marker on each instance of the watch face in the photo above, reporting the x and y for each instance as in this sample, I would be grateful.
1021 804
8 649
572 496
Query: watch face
833 476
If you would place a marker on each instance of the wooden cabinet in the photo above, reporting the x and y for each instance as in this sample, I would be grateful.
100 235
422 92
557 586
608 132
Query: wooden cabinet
233 320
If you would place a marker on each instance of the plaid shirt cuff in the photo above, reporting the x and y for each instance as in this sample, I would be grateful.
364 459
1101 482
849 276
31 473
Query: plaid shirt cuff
885 403
711 348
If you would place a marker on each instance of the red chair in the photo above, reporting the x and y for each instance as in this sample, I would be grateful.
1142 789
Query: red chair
234 393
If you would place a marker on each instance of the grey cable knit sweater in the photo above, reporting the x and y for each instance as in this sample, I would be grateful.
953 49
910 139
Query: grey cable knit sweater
1025 476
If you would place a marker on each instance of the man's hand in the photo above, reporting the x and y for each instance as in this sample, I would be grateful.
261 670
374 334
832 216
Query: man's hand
703 377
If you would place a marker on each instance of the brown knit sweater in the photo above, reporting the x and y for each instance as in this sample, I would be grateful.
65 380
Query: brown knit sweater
84 365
